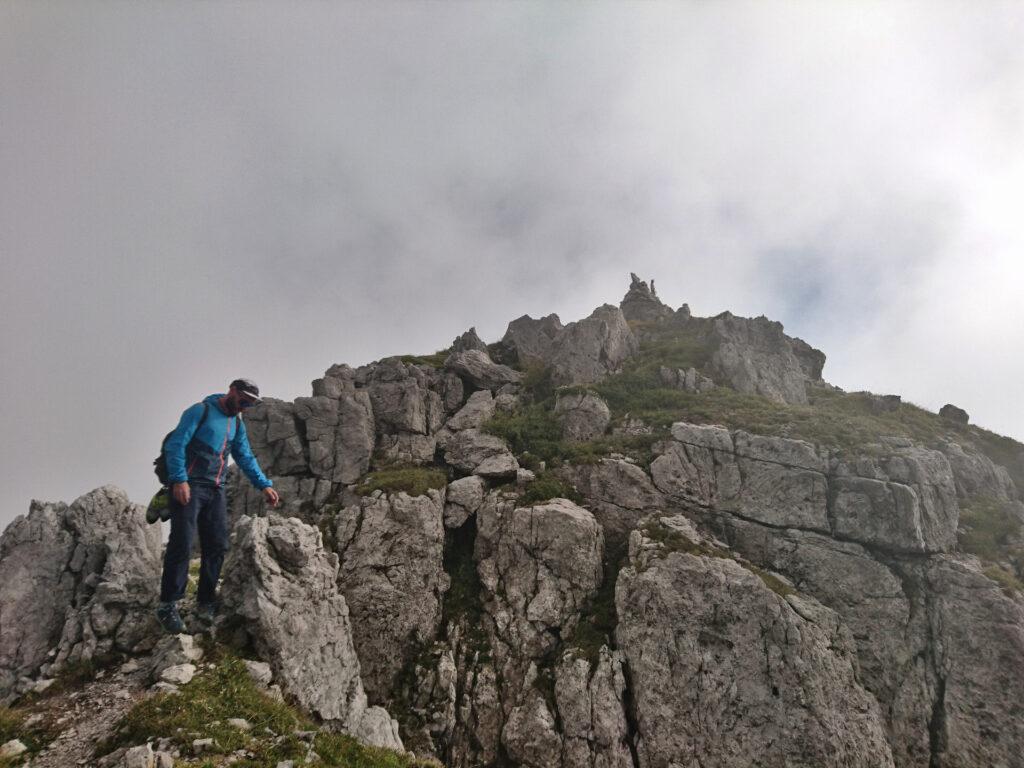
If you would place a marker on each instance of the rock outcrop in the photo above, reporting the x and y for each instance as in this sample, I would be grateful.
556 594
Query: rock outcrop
584 416
578 353
76 582
711 596
280 585
392 577
755 356
727 672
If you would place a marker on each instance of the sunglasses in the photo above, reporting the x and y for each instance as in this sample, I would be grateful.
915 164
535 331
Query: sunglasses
245 403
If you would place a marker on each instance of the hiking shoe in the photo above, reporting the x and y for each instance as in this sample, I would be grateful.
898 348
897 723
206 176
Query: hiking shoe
206 612
159 506
170 619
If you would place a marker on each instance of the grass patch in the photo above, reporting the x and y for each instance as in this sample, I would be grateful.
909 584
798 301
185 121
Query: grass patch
546 487
35 737
435 360
1006 579
990 529
415 481
201 710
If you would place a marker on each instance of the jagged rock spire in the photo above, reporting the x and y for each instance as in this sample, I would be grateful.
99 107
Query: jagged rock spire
642 303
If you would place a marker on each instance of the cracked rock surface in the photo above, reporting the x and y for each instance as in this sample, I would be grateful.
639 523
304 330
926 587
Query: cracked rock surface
76 581
281 584
726 672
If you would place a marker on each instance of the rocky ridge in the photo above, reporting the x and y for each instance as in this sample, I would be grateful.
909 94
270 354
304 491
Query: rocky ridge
598 579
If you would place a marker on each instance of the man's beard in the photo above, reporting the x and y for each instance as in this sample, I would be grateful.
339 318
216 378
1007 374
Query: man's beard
232 408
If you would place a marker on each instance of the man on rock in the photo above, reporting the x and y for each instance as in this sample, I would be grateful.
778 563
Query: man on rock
197 457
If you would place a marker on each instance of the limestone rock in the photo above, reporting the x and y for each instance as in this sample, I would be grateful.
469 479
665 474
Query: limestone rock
975 474
591 706
584 416
476 367
259 671
469 340
642 303
531 340
173 651
462 499
82 580
954 415
480 454
538 565
139 757
280 584
725 672
689 380
587 350
529 734
755 356
617 493
12 749
179 674
402 399
478 409
903 502
979 644
578 353
392 576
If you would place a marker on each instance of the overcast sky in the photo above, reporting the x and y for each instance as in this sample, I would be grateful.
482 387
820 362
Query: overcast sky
194 191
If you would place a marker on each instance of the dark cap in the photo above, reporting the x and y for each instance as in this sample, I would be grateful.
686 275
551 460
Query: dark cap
248 388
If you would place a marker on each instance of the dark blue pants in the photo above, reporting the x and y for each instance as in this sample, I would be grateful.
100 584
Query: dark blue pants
206 511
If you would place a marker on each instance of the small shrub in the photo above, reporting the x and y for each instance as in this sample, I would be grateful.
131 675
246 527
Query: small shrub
547 487
35 738
415 481
1007 580
989 529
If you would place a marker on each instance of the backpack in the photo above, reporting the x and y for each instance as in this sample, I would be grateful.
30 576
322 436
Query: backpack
160 462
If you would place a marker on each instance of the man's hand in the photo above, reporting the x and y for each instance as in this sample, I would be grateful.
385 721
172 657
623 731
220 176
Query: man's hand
271 496
181 492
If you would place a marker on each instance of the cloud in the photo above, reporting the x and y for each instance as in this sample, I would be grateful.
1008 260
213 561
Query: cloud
198 191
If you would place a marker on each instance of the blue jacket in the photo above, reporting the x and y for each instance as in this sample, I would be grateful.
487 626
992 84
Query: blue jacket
202 456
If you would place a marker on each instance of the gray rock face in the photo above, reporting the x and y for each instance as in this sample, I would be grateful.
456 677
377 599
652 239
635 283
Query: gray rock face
538 565
888 626
978 636
469 340
974 474
755 356
589 349
583 416
774 480
578 353
955 415
481 454
478 409
591 707
462 500
393 580
689 380
726 672
642 303
904 502
476 367
531 340
82 581
281 584
617 493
